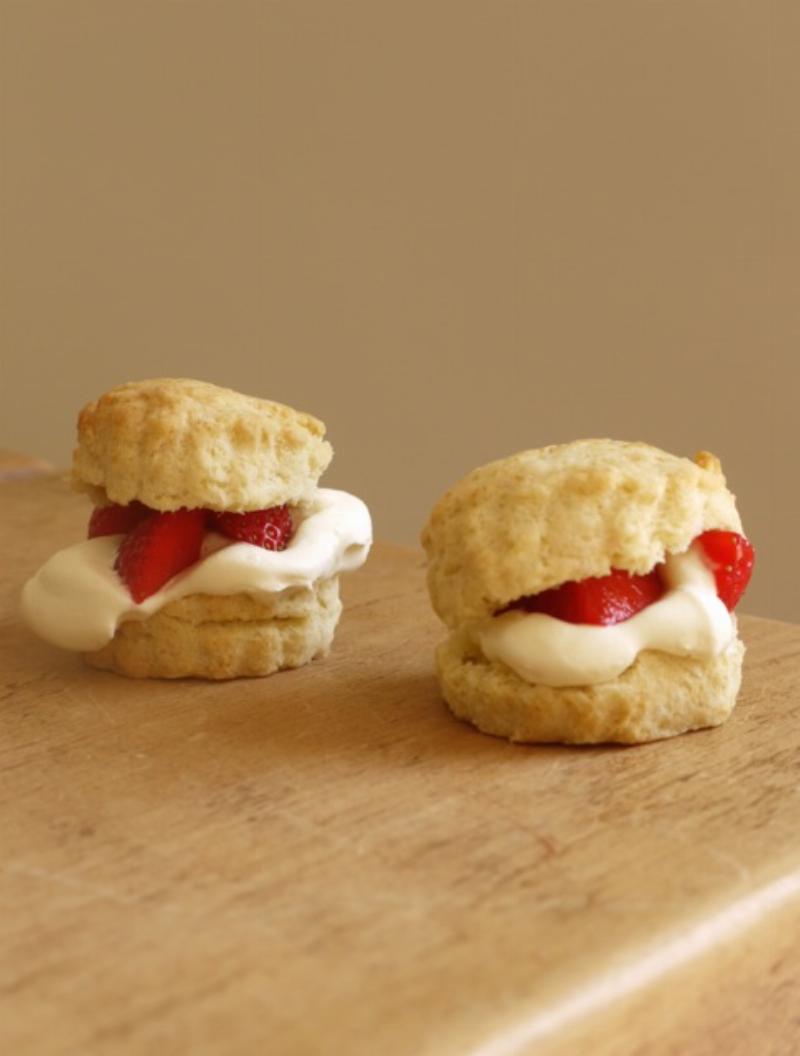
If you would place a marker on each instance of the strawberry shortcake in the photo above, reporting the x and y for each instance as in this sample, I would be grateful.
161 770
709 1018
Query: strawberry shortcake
589 591
211 550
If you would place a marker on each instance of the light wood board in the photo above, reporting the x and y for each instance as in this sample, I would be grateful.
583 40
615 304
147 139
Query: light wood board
326 862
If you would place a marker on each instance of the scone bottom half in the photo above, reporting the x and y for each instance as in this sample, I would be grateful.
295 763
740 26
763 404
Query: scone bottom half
233 636
211 551
588 589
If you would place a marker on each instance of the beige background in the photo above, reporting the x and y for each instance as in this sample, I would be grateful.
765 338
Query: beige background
452 230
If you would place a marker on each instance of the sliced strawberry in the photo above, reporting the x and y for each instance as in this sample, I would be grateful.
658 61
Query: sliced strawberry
730 557
158 548
601 600
271 529
116 520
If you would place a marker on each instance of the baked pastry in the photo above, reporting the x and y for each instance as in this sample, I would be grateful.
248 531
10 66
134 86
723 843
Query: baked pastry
212 552
589 589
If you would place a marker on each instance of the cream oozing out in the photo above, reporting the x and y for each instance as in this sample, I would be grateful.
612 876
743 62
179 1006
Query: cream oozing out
689 620
76 600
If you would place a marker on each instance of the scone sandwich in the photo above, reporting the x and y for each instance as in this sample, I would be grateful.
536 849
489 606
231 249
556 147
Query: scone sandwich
589 590
211 550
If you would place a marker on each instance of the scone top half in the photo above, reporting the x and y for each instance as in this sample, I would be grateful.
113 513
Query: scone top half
541 518
174 442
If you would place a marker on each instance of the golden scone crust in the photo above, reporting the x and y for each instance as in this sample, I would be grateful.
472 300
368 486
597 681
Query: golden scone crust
658 696
232 636
173 442
566 512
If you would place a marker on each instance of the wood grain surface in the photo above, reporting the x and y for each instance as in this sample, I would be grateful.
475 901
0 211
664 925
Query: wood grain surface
326 862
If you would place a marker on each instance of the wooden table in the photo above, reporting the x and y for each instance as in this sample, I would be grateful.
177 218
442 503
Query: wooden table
326 862
14 465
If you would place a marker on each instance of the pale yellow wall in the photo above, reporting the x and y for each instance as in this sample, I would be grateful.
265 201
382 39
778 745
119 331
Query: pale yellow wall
452 230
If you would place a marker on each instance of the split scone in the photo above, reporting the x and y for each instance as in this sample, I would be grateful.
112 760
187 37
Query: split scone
212 552
589 591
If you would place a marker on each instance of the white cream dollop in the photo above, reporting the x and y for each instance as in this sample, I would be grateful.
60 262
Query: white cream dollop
688 620
76 600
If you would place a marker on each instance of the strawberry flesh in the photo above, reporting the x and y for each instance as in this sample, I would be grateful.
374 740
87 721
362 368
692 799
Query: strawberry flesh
116 520
601 600
271 529
606 600
157 548
730 557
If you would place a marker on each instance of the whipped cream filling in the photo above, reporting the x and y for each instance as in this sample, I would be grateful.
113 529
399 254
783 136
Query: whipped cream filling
688 620
76 600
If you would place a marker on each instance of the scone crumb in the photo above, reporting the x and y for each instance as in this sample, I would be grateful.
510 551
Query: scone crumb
705 460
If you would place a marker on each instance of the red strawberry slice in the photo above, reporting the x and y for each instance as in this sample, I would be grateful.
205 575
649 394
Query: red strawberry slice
158 548
116 520
730 557
601 600
271 529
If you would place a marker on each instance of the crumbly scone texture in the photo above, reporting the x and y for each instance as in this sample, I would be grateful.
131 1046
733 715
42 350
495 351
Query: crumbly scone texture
658 696
173 442
233 636
566 512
